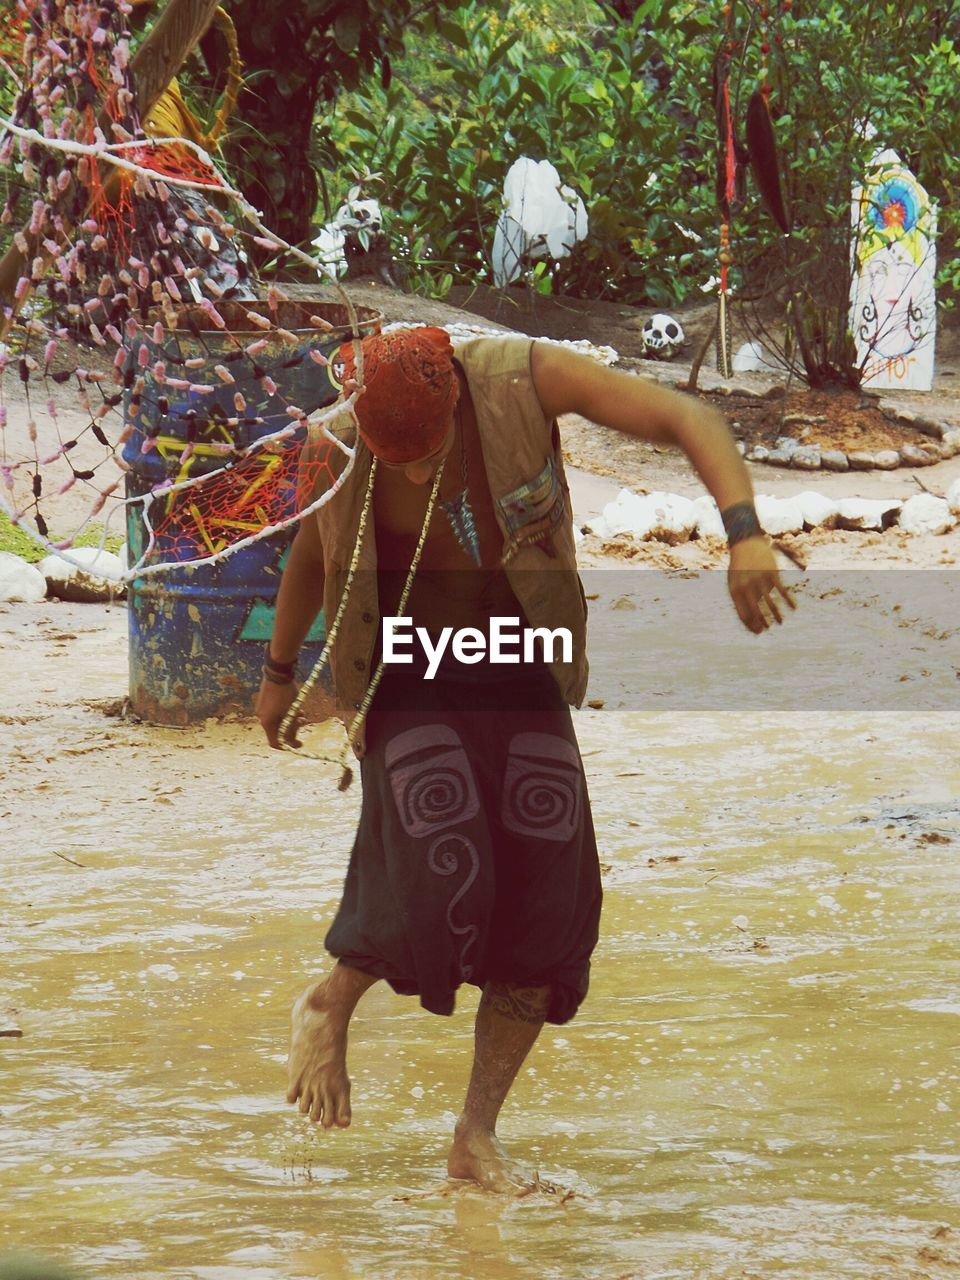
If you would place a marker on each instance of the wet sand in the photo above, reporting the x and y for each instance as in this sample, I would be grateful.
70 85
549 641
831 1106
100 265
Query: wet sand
764 1080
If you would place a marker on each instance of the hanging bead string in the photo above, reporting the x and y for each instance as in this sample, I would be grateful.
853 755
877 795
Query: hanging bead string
319 666
765 86
62 225
165 491
346 776
725 255
267 239
458 510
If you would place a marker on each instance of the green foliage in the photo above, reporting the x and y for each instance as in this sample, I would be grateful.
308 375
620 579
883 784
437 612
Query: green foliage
296 54
929 137
510 84
579 86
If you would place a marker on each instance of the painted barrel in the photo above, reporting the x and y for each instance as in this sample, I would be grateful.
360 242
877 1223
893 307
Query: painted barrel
197 633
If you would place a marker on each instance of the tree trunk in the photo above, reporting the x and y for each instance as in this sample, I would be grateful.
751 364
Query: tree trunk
268 147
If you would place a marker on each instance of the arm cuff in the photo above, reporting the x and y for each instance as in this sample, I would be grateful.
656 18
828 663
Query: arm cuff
741 522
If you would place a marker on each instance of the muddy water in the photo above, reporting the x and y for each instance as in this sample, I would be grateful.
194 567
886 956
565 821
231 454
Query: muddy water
764 1081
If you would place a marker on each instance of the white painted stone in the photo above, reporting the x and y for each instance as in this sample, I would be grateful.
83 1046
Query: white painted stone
806 458
753 357
818 511
886 460
709 524
19 580
834 460
861 460
666 517
953 497
617 516
866 513
914 455
88 576
779 515
749 358
541 217
926 513
780 457
674 518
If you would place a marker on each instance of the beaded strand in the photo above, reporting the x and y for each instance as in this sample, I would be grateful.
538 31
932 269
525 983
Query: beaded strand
346 776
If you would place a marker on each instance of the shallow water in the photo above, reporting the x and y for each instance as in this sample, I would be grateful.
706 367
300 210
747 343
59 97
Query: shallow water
765 1079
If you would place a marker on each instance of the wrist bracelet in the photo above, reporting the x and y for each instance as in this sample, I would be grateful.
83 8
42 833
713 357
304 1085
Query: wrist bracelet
276 677
741 522
270 663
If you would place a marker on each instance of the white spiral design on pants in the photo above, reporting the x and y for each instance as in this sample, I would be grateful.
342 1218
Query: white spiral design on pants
544 802
445 858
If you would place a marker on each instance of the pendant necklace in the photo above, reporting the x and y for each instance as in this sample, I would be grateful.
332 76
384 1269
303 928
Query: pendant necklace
458 510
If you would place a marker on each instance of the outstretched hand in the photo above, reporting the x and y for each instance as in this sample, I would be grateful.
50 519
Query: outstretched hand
755 587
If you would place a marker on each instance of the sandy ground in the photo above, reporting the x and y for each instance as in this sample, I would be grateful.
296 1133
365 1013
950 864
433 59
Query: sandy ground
60 661
65 665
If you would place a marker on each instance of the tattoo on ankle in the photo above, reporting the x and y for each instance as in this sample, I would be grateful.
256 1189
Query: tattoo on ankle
521 1004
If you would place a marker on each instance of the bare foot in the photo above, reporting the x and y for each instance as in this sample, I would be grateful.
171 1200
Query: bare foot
317 1064
477 1154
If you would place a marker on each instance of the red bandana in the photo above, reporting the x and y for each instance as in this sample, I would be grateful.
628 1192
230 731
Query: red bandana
410 389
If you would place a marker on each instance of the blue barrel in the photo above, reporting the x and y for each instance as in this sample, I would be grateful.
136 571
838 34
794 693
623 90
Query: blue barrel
197 634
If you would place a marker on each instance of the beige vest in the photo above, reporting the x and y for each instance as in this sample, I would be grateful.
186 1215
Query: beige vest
521 452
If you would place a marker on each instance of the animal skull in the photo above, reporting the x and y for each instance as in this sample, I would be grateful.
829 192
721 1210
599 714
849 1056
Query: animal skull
358 223
662 336
360 213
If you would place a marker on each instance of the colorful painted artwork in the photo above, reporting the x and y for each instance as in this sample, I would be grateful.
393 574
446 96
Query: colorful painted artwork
893 301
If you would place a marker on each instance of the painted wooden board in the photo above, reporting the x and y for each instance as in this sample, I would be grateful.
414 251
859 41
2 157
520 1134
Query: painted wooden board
893 300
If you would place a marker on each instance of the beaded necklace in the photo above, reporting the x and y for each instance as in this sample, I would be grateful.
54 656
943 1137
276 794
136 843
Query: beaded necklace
346 776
